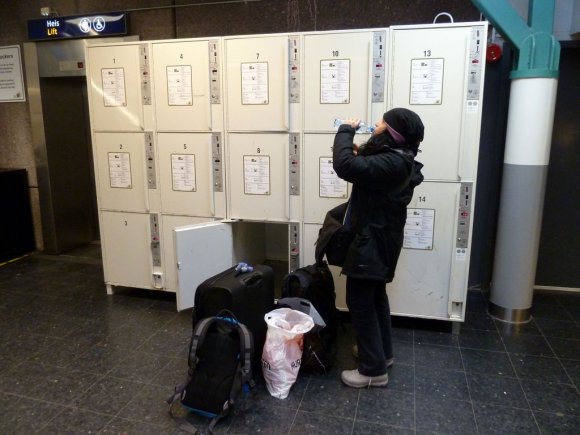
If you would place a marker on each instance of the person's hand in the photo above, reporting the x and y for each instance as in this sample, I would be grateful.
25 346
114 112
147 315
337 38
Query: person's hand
353 122
355 148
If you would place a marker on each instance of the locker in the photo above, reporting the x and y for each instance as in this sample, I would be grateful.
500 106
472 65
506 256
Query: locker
257 83
337 78
119 86
121 170
441 82
324 190
185 173
258 176
182 85
203 250
127 250
168 224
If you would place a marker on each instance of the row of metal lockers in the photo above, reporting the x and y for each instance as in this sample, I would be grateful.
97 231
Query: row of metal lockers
241 129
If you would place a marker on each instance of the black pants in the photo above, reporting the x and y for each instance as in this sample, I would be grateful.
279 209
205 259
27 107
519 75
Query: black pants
370 314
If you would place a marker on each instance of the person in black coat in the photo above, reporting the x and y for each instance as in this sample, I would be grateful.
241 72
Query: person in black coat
383 173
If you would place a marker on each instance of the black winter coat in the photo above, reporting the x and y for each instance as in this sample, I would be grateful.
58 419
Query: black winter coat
383 182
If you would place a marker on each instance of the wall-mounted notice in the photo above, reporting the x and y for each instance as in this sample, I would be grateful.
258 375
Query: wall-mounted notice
257 175
179 90
120 170
183 172
255 83
11 81
419 228
426 81
335 81
331 186
114 87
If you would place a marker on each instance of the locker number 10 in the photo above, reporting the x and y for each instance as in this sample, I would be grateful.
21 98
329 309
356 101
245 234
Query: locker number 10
335 53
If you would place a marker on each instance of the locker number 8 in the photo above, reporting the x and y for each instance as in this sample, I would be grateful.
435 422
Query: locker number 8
258 150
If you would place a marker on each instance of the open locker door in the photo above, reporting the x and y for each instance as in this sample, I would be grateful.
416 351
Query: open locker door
202 251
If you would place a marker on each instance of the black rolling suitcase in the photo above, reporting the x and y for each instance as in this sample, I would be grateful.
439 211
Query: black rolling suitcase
249 295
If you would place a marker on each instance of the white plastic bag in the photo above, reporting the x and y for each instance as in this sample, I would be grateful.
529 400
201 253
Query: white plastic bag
283 349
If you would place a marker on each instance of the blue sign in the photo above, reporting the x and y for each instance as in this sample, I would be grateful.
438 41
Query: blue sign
79 26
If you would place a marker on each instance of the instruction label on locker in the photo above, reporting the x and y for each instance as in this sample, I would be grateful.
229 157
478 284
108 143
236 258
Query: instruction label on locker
330 185
257 175
120 170
335 81
183 172
294 68
145 74
150 156
255 83
216 154
419 229
294 230
426 81
114 94
378 67
179 89
294 164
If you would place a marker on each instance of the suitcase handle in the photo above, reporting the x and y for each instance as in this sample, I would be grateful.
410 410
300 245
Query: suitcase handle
251 279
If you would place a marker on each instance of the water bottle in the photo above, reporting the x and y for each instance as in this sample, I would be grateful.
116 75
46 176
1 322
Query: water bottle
363 127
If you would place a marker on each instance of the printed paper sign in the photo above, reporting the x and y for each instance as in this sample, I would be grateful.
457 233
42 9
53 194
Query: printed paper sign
120 170
183 172
11 81
179 90
335 81
419 228
257 175
331 186
255 83
426 81
114 87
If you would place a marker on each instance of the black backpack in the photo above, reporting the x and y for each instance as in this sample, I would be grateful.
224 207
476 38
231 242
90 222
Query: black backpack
220 371
315 284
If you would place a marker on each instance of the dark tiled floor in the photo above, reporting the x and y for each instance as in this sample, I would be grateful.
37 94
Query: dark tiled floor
74 360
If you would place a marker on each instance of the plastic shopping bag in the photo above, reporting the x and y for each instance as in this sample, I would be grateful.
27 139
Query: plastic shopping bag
283 349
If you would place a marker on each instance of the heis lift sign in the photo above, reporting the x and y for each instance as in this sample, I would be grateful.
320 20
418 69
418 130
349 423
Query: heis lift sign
78 26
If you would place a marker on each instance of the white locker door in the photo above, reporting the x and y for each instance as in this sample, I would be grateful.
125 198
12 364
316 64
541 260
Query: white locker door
323 189
257 84
182 86
337 78
202 251
114 83
423 277
258 176
126 249
185 169
168 224
121 171
429 76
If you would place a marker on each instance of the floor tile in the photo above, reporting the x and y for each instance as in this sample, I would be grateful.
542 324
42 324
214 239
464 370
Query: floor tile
483 340
503 420
329 397
436 337
514 330
381 405
487 362
558 423
539 368
312 423
149 405
139 366
496 390
402 378
403 352
108 395
366 428
481 321
528 344
20 415
552 397
441 384
559 328
572 368
441 357
444 416
76 421
564 348
263 419
550 311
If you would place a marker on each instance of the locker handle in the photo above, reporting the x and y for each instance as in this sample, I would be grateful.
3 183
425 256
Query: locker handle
146 186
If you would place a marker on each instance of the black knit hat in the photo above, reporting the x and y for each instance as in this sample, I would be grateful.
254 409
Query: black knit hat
407 123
